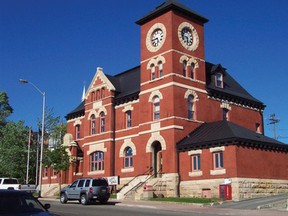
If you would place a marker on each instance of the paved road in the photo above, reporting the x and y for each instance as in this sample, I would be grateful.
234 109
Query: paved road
142 208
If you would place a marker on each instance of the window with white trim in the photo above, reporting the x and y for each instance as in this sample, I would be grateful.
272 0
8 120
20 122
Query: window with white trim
190 105
93 124
196 162
102 122
160 67
218 160
219 80
153 72
77 132
128 157
184 65
97 161
128 119
156 108
192 71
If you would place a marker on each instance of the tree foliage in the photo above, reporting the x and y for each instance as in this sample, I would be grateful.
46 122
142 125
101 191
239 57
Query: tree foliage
57 158
5 108
13 148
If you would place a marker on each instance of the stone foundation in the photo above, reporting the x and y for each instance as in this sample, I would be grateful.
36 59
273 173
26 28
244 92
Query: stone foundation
242 188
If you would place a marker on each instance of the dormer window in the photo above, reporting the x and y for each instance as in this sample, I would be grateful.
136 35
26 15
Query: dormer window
219 80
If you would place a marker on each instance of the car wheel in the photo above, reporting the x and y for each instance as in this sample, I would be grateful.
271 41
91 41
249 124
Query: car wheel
63 198
83 199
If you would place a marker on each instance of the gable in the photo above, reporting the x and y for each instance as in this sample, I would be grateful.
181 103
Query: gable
99 80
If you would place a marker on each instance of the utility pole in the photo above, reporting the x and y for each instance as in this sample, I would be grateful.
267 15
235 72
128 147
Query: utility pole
273 120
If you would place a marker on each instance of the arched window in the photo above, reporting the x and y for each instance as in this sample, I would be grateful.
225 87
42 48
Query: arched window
184 68
156 108
102 122
160 66
190 101
192 72
97 161
128 159
128 119
153 72
93 124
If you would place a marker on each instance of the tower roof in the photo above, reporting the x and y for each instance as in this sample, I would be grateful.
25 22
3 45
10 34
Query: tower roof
171 5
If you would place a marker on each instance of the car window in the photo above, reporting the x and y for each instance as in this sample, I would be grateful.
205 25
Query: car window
99 182
87 183
10 181
81 183
74 184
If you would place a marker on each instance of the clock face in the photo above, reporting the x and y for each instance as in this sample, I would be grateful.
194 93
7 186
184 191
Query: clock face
188 36
157 37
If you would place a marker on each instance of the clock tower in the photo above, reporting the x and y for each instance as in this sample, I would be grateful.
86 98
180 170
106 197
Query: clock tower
172 35
172 71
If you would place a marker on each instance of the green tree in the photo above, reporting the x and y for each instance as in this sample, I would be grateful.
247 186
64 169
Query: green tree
5 108
55 129
13 148
58 159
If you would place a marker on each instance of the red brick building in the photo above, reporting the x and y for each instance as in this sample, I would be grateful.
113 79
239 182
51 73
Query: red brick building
176 122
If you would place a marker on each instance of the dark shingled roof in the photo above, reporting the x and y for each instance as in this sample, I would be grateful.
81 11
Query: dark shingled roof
127 85
225 133
171 5
231 89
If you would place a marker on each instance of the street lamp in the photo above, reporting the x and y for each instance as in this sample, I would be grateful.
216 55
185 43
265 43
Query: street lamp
42 134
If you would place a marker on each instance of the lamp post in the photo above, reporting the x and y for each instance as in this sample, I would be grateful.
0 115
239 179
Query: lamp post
42 132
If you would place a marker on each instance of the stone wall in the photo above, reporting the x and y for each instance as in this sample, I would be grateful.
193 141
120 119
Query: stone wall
253 187
242 188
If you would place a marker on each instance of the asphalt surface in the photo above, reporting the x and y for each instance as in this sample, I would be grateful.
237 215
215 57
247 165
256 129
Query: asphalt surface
245 208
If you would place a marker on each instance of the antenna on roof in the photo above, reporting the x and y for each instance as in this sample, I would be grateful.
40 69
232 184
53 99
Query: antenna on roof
84 92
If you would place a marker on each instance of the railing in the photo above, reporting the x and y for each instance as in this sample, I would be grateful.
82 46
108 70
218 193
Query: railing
140 184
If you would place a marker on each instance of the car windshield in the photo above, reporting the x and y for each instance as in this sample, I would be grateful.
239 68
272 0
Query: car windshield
13 203
99 182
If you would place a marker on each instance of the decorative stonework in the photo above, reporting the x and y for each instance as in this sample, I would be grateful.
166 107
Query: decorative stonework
191 92
149 44
194 35
216 149
96 147
225 105
127 143
155 137
155 93
128 108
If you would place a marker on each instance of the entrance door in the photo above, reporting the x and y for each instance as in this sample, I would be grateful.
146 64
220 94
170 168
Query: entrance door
156 158
225 192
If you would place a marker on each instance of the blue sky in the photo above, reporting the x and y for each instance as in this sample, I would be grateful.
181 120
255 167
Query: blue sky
58 44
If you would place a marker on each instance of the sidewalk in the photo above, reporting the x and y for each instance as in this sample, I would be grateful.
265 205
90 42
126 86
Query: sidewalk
197 208
188 207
